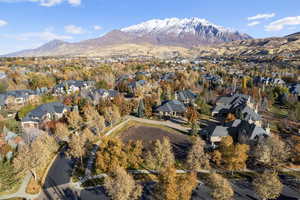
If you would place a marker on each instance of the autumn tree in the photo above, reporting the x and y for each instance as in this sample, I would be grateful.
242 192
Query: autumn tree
161 155
234 156
295 140
29 156
92 118
166 187
121 186
273 152
77 147
192 115
8 176
221 188
133 150
186 184
74 119
216 157
62 132
267 185
110 154
88 135
197 159
111 114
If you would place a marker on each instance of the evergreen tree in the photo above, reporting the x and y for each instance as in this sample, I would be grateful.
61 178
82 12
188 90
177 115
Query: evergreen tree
141 109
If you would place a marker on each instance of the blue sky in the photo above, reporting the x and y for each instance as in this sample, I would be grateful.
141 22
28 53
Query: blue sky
30 23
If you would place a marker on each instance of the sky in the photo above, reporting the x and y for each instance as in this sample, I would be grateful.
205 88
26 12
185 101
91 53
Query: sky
28 24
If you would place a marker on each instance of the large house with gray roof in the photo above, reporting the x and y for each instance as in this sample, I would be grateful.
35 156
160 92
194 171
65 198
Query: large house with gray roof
238 104
240 130
72 86
17 97
185 96
171 108
101 94
43 113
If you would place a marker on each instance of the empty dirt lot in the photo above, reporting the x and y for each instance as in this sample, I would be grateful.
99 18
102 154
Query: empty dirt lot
180 142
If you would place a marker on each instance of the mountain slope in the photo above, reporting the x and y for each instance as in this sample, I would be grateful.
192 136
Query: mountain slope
276 46
169 32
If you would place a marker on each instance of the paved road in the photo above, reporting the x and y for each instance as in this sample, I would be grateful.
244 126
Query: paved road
57 184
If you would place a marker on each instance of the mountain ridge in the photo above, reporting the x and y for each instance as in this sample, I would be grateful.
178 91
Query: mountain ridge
186 33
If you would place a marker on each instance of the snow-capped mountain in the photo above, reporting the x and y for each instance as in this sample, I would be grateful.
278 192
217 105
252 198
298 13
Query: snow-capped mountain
187 32
172 26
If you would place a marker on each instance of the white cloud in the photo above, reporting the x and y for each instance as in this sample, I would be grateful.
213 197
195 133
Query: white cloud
97 28
47 3
46 35
262 16
254 23
281 23
74 29
3 22
74 2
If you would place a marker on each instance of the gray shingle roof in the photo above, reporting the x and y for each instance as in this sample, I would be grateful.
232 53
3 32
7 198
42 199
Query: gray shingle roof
219 131
39 112
172 106
184 95
17 94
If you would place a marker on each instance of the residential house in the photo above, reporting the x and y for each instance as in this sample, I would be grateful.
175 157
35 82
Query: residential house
185 96
43 113
72 86
169 76
171 108
240 130
17 97
101 94
238 104
268 81
136 86
213 78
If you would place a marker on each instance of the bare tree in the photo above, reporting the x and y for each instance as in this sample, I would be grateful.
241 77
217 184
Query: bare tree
77 147
37 154
74 119
197 159
121 186
161 156
273 152
267 185
62 132
221 187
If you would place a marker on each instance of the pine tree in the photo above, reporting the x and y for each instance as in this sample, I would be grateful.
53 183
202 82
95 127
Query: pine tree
141 109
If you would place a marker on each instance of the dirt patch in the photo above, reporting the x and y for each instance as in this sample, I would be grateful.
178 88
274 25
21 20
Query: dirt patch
180 143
